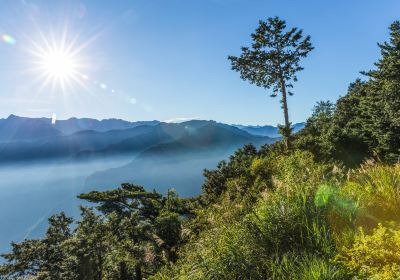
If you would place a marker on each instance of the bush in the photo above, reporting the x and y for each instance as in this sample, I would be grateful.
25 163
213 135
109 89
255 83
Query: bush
306 267
289 222
375 256
225 252
376 191
282 235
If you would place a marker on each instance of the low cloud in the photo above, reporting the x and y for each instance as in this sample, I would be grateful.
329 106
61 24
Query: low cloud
181 119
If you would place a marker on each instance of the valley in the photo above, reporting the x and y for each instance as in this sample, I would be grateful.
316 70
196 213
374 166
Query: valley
43 167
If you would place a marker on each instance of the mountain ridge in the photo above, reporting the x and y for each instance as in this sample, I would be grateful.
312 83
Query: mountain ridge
16 127
190 136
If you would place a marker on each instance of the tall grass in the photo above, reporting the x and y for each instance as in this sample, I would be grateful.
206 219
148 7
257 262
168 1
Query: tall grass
305 220
376 191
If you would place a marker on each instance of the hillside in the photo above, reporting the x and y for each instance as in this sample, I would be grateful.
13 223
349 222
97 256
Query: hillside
22 128
15 128
73 125
267 130
179 162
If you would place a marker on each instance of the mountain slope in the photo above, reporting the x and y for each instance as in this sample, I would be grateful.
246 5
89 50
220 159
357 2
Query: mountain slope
267 130
209 138
74 125
179 163
16 128
66 146
30 139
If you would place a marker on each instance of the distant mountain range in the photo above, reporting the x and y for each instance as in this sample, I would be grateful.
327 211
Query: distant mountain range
28 139
267 130
52 163
22 128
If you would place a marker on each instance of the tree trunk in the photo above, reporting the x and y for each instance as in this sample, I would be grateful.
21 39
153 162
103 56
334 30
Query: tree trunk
123 272
138 272
286 133
100 267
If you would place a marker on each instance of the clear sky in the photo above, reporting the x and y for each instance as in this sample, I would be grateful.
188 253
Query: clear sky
167 59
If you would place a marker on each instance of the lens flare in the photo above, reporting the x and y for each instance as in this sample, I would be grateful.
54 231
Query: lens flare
8 39
53 119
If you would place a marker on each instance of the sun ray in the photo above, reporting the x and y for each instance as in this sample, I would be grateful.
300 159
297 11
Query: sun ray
58 60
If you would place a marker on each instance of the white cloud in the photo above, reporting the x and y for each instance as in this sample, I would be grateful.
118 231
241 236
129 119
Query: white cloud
181 119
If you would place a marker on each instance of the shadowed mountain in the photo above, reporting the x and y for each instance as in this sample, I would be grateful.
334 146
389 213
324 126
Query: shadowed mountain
65 146
209 138
16 128
178 138
73 125
37 139
179 163
149 137
162 138
267 130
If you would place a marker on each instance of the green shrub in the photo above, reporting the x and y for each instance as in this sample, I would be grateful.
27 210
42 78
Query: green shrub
225 252
306 267
290 221
376 191
251 243
375 256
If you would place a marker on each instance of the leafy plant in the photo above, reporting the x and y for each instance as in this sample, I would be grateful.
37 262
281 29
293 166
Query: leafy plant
374 256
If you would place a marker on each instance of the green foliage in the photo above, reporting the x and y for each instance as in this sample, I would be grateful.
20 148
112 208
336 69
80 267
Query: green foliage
43 257
288 218
297 228
375 256
135 233
376 191
238 167
274 55
365 122
306 267
249 245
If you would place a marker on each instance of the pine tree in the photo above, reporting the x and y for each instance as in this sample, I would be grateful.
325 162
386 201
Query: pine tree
144 227
42 258
383 102
273 61
131 211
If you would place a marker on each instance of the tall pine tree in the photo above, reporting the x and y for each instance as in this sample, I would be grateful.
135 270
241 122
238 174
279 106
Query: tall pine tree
273 60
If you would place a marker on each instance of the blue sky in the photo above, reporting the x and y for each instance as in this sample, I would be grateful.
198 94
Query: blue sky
167 59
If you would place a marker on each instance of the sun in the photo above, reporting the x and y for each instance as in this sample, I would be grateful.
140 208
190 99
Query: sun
59 65
58 62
